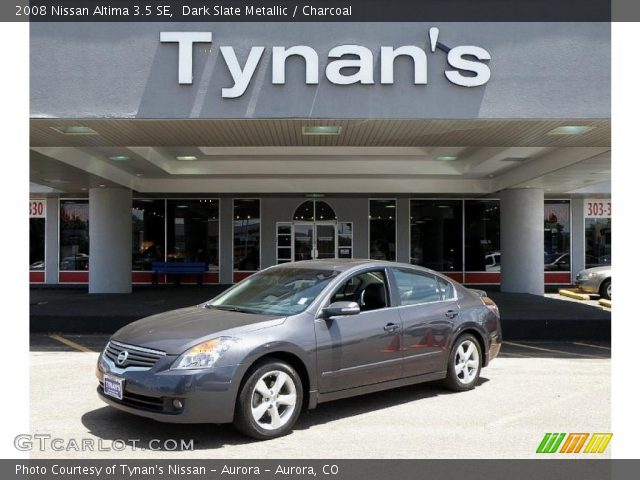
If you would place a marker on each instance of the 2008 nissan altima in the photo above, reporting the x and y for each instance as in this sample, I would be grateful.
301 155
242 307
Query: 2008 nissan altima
296 335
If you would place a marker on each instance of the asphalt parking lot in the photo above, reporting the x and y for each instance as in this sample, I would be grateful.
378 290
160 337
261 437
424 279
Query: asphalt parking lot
531 389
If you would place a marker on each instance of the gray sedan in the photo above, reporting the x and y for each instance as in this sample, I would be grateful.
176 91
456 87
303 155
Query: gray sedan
595 280
296 335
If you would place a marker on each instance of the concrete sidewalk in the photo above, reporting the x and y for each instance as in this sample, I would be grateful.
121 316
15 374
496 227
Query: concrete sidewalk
73 310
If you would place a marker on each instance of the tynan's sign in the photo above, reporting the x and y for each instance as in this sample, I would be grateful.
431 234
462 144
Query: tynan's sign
348 64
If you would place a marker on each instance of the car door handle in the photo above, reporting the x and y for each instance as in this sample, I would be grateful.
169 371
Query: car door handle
451 314
391 327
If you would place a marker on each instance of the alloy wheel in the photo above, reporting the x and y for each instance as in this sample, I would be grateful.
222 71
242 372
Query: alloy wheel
467 362
273 400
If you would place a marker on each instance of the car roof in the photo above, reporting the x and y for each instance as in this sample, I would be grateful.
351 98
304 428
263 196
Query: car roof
344 264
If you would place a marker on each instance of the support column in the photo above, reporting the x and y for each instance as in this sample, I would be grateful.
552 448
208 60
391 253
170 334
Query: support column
522 240
110 241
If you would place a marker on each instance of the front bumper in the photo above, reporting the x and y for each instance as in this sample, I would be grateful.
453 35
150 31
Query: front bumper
207 395
588 285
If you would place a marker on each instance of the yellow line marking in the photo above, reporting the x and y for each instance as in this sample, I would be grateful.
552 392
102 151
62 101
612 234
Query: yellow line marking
552 350
70 343
592 346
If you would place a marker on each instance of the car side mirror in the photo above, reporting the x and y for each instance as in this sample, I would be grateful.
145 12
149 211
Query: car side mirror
339 309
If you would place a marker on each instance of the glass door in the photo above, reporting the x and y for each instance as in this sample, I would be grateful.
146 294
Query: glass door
325 240
303 242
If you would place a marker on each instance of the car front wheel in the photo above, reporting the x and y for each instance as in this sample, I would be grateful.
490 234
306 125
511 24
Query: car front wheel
270 401
465 363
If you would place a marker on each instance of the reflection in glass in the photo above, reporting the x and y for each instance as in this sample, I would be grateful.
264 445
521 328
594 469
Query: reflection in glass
382 229
436 234
193 231
597 242
482 236
74 235
557 235
36 243
246 234
148 233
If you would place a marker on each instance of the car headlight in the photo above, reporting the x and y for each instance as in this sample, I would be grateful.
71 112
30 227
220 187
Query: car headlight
204 355
592 275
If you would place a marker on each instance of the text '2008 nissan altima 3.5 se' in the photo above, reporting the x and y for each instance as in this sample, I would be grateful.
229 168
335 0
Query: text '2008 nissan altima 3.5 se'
295 335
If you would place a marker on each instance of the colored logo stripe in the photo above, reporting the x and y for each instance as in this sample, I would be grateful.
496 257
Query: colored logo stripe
598 442
574 442
550 443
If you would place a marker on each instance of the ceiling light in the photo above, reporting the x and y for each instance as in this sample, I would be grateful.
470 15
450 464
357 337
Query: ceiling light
182 206
138 174
515 159
390 206
119 158
75 130
447 158
55 180
186 158
321 130
570 130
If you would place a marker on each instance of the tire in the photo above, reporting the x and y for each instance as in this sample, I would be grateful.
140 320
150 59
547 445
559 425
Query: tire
258 401
605 289
471 367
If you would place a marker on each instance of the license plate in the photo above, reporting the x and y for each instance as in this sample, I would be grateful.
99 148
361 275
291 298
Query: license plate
113 386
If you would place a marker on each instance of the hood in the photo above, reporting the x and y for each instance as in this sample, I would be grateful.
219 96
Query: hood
175 331
603 269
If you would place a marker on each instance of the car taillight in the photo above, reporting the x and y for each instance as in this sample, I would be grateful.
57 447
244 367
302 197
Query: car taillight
491 305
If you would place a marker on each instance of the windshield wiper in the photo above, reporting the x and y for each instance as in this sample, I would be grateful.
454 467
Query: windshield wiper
229 308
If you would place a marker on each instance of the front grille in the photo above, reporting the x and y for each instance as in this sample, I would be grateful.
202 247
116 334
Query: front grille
134 357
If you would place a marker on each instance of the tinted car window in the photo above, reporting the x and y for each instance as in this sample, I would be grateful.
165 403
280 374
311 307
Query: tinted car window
368 290
415 287
446 289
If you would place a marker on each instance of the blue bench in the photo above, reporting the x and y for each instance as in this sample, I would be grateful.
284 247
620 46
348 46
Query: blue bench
176 269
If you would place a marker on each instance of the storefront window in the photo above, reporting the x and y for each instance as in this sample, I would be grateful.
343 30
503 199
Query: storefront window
74 235
436 234
246 234
382 229
36 243
345 240
482 235
597 242
148 233
557 235
193 232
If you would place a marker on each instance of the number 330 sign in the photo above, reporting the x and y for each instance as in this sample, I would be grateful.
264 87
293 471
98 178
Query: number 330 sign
37 208
597 208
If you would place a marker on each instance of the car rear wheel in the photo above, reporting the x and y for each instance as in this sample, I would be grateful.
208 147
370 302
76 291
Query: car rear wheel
270 401
605 289
465 363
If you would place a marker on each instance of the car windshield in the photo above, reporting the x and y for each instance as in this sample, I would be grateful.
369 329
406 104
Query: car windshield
278 291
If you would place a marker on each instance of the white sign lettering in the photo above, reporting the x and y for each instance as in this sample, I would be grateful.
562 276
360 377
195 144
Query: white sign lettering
347 65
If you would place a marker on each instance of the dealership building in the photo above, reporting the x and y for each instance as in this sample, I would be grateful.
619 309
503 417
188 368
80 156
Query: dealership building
481 150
